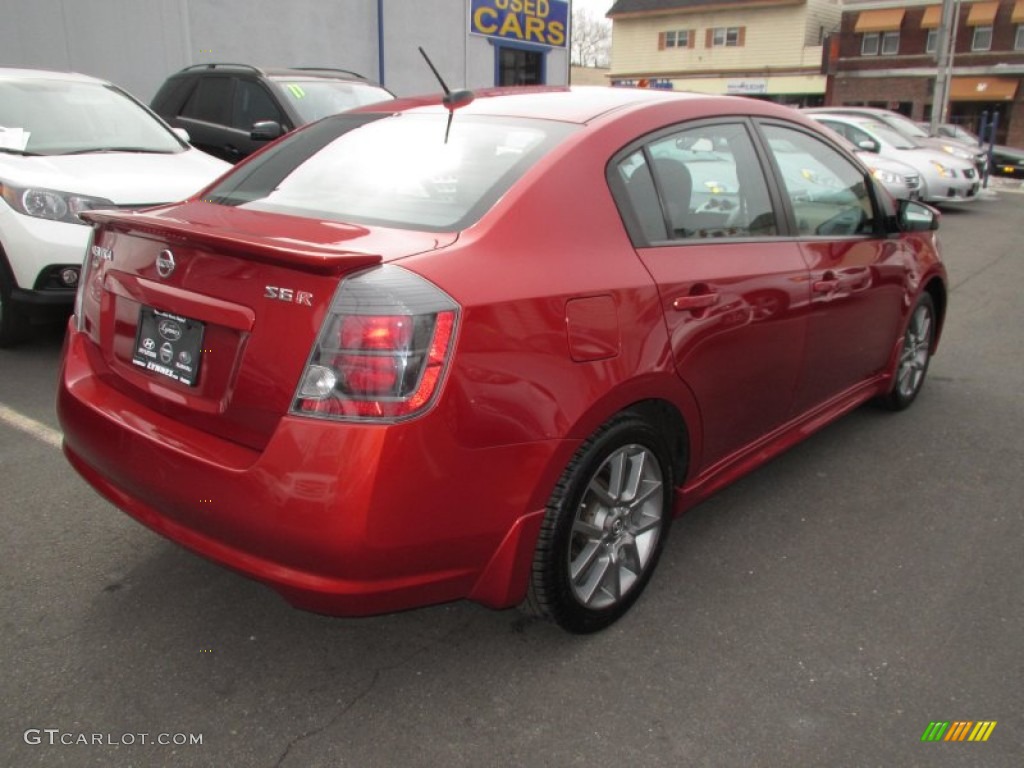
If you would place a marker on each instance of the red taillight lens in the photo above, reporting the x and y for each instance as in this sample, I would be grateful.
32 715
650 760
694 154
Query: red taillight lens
375 332
382 350
368 375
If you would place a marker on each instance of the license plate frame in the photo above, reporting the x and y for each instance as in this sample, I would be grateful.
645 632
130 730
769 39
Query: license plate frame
169 345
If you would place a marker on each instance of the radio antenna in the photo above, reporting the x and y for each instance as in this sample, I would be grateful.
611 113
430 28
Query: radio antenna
452 100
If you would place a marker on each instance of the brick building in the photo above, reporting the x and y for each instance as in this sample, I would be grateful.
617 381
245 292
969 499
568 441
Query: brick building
886 57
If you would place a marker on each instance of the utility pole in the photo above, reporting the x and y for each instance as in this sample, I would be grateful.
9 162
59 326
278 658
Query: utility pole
944 66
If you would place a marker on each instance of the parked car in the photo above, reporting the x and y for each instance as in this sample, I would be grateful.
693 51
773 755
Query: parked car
944 178
951 131
231 110
1008 161
411 354
70 143
911 130
900 180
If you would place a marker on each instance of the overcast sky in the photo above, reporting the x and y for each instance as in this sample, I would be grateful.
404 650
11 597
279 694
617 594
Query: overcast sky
596 7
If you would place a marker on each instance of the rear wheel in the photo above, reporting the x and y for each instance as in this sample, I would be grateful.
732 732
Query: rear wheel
605 526
13 318
914 355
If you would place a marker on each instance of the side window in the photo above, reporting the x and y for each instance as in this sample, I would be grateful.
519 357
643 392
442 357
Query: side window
635 174
710 184
209 101
829 194
251 104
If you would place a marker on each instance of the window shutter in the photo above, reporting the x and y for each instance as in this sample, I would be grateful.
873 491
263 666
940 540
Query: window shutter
708 37
742 36
661 41
691 38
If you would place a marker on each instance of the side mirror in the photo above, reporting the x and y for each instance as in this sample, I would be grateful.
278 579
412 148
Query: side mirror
869 145
182 134
917 217
266 130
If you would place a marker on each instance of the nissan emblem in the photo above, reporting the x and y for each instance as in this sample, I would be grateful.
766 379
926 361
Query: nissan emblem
165 263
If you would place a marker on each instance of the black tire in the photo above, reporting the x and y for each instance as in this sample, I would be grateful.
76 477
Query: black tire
14 323
613 547
915 355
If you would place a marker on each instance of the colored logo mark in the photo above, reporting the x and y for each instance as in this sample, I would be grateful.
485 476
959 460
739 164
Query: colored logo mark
297 91
959 730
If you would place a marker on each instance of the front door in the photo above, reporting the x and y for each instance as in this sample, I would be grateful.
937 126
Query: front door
857 275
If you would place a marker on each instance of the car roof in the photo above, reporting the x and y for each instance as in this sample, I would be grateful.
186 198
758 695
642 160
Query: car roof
848 118
581 104
852 110
9 73
332 73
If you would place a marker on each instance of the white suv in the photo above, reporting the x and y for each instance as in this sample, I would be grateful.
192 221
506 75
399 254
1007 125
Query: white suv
69 143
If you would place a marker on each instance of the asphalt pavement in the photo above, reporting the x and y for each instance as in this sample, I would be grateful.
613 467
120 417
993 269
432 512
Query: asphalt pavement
824 611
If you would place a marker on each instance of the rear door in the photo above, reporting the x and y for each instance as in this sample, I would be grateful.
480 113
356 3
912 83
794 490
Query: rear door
733 290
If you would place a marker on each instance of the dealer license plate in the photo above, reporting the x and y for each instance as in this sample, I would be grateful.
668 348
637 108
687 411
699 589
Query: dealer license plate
169 345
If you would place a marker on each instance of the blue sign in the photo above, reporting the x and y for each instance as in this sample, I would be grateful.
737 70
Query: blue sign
542 22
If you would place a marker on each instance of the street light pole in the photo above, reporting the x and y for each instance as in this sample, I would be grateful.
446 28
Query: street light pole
944 66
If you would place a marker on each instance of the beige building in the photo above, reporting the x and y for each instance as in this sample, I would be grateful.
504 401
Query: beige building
766 48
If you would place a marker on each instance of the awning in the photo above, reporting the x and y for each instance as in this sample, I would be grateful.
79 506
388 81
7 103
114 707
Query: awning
933 17
885 20
982 89
1018 13
982 14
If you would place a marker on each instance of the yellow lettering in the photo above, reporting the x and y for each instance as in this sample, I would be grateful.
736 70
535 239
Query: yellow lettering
511 24
543 9
516 6
529 7
501 5
535 28
556 33
478 20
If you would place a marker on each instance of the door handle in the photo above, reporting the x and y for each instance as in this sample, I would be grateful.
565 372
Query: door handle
695 301
828 283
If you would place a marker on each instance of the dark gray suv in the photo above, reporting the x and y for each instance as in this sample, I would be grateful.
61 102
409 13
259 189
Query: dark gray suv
231 110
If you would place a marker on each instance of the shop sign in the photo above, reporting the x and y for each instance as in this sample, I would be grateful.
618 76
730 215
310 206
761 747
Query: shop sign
541 22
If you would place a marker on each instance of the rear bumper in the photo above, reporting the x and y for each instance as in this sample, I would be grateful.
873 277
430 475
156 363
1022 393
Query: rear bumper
339 518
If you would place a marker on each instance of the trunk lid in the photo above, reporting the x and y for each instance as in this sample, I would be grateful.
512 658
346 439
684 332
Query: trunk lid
207 313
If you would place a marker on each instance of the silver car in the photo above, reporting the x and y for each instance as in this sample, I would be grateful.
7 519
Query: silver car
911 130
902 181
944 178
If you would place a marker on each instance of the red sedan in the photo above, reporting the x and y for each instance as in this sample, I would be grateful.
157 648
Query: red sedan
409 355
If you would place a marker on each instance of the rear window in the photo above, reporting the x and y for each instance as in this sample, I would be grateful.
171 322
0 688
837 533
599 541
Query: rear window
395 170
314 99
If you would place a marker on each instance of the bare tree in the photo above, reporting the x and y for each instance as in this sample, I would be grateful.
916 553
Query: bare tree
591 41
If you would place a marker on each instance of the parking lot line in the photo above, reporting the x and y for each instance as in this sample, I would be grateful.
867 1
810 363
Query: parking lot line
36 429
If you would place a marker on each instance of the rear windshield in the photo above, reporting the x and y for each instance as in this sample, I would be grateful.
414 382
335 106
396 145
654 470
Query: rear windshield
314 99
392 170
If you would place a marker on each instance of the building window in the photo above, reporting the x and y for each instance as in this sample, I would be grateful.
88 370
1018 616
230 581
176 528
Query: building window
869 44
982 40
726 37
931 44
1018 42
890 43
677 38
517 66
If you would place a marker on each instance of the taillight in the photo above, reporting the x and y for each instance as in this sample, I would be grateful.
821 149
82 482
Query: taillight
90 284
382 350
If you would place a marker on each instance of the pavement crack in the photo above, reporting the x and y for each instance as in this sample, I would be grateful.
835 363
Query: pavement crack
368 689
344 711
